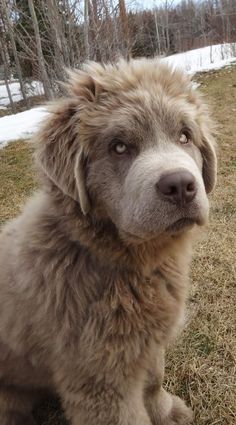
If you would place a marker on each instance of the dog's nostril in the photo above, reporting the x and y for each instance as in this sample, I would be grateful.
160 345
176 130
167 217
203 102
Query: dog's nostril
178 187
191 187
172 190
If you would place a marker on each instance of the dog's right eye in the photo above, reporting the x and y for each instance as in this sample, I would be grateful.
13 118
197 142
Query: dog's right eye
185 137
120 148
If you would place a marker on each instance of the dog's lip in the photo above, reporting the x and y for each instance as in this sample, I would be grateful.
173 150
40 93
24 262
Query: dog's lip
132 237
182 223
175 227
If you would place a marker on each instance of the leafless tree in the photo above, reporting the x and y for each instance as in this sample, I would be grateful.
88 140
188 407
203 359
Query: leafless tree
7 73
8 24
41 63
86 29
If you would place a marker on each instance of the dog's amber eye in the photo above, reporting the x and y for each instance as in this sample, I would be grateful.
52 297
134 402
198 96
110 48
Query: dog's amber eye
184 138
120 148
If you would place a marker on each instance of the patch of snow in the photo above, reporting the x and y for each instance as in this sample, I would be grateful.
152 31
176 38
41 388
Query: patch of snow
21 125
204 59
195 85
32 89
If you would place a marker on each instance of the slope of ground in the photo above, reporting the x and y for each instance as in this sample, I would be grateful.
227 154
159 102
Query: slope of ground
201 365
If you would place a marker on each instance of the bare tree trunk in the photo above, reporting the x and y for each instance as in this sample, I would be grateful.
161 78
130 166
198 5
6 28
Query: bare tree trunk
70 30
56 39
157 33
86 29
211 54
223 21
14 49
228 30
125 26
6 74
115 29
59 41
167 34
94 31
45 80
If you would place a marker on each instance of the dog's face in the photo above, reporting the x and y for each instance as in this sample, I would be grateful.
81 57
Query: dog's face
145 153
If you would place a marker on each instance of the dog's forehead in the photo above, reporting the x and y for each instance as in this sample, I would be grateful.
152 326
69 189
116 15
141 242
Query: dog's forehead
145 112
139 100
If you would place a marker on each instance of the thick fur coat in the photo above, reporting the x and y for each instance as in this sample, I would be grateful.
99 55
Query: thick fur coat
94 272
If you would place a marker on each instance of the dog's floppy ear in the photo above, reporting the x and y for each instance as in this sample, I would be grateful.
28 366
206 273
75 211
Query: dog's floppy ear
61 142
80 178
59 153
209 162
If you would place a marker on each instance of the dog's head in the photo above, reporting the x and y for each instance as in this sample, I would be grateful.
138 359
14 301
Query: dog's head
132 144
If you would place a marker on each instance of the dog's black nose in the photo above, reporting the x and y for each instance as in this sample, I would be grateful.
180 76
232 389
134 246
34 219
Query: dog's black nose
178 187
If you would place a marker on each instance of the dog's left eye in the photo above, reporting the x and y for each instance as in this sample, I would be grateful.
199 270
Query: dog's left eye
120 148
184 138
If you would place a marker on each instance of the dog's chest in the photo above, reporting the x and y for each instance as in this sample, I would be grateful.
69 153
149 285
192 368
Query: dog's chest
146 307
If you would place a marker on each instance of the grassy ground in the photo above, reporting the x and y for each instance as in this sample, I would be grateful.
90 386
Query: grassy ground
201 365
16 178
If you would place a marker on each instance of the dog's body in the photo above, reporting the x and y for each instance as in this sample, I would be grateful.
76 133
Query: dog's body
94 272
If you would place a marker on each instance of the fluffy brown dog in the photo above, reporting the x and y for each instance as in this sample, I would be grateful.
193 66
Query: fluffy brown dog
94 271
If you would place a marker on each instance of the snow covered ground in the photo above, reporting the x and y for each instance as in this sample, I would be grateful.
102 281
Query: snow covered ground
32 89
204 59
20 126
24 124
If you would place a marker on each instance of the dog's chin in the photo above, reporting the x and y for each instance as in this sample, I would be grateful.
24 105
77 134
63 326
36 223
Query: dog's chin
181 225
174 229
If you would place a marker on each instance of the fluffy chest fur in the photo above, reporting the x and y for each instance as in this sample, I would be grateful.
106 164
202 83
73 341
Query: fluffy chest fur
94 292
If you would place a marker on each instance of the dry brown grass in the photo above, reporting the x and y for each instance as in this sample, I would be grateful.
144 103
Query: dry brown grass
201 366
16 178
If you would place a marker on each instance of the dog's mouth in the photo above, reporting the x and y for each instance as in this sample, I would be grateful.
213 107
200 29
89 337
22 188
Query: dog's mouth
177 226
181 224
